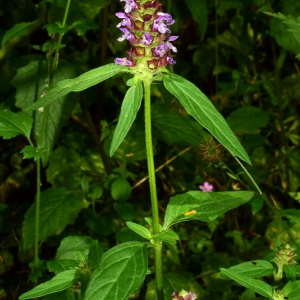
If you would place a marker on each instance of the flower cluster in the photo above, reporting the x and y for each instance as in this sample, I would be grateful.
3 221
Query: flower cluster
145 26
285 256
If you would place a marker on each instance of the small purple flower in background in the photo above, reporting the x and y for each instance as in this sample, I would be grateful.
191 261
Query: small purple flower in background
145 26
206 187
126 22
146 39
184 295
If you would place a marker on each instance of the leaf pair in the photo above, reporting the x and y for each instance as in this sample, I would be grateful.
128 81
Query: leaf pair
195 103
193 100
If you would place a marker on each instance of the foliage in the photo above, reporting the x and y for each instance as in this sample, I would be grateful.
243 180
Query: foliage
76 218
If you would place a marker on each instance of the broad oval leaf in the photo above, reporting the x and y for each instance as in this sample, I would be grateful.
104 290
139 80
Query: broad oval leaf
95 255
139 229
58 208
78 84
196 205
130 106
254 269
201 108
58 283
13 124
71 245
122 270
292 290
255 285
30 83
61 265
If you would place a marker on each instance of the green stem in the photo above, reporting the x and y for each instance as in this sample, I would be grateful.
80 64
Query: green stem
60 37
249 175
153 193
37 212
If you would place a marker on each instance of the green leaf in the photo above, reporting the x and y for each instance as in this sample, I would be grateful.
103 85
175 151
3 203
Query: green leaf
255 285
130 106
85 184
140 230
290 272
97 192
253 269
58 283
78 84
13 124
174 128
37 271
201 108
167 236
95 255
101 225
257 203
60 265
121 271
84 25
67 294
32 152
286 31
247 119
58 208
56 29
125 210
64 161
175 281
18 30
71 245
120 189
30 82
200 13
248 295
196 205
292 290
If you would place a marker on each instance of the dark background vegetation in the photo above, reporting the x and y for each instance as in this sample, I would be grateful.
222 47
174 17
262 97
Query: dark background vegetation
241 58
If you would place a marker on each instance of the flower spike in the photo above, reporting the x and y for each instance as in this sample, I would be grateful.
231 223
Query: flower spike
146 27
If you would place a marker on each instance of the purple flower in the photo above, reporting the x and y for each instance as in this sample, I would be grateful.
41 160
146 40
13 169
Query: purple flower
125 22
124 62
184 295
161 50
129 6
145 26
171 39
171 61
127 35
161 23
147 39
206 187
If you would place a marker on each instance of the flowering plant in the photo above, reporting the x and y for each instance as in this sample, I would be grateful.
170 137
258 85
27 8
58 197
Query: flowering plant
122 269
